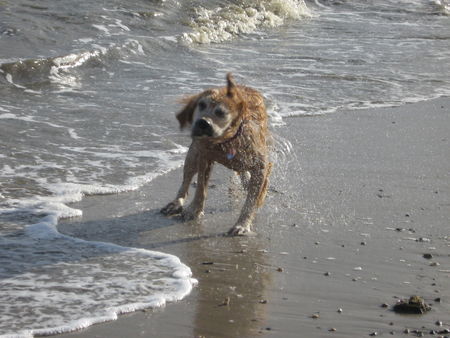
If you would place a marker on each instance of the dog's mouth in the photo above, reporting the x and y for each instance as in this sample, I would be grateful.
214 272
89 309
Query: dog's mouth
201 133
202 128
198 135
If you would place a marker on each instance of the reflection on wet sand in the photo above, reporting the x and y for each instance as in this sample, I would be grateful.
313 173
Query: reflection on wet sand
233 275
232 290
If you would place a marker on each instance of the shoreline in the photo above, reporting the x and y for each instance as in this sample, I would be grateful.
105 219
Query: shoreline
351 211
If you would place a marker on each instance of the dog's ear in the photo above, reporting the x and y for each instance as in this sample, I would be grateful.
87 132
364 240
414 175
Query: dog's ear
232 89
233 92
185 116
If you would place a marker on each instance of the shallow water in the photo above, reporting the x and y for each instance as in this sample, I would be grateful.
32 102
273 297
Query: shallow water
87 95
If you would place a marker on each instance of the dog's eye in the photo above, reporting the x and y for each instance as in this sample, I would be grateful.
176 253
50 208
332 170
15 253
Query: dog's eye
202 105
220 112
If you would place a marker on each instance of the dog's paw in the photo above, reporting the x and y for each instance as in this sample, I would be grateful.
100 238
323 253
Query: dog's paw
173 208
191 214
239 230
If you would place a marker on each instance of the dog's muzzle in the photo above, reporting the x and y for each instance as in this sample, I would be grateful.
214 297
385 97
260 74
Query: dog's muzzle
202 127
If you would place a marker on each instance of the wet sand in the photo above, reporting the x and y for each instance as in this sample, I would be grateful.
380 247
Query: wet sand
352 209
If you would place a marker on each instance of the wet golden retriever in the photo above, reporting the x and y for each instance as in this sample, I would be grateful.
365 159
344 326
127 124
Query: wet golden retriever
228 126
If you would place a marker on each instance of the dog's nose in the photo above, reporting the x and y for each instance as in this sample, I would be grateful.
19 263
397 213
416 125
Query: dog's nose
203 124
202 127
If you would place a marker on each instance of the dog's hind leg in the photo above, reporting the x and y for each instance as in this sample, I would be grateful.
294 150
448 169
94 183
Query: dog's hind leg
256 193
263 192
190 169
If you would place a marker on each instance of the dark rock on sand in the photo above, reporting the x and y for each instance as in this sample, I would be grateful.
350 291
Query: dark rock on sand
414 304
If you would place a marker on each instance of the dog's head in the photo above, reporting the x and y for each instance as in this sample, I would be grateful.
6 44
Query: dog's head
213 112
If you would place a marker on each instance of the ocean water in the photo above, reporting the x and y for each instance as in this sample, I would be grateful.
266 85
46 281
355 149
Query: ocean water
88 91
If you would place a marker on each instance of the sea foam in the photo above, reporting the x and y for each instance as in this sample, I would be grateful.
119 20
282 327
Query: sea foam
60 284
52 283
224 23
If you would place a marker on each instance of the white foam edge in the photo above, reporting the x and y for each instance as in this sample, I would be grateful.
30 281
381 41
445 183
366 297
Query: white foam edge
366 105
47 229
113 313
66 193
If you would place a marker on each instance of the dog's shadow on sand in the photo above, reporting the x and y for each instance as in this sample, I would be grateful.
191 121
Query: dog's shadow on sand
148 229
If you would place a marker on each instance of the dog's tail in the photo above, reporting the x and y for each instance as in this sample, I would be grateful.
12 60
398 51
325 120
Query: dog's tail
265 187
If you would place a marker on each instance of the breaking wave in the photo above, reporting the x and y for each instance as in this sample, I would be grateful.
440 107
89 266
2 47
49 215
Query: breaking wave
225 23
59 69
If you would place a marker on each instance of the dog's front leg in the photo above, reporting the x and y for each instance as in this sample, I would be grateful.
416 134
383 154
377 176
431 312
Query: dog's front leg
256 193
195 209
190 169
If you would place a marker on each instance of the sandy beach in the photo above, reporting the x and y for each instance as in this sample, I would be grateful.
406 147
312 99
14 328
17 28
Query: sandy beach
353 207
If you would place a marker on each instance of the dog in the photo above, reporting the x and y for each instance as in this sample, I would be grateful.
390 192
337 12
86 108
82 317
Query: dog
229 125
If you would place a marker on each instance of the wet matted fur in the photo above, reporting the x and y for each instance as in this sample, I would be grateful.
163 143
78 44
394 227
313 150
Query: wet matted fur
229 125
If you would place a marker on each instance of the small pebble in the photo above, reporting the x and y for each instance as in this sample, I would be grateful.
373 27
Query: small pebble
432 332
332 329
339 310
406 331
434 264
226 302
327 273
438 323
315 316
385 305
263 301
373 334
437 300
363 243
280 269
427 256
